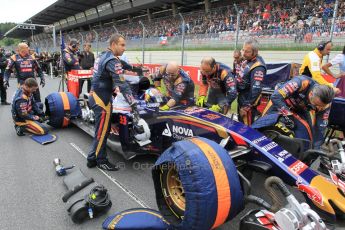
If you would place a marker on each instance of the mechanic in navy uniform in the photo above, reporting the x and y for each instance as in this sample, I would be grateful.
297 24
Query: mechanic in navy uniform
107 76
25 112
70 55
179 86
249 82
26 66
218 81
304 106
3 64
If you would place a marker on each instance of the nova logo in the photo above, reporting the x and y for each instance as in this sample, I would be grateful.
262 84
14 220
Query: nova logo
182 131
166 131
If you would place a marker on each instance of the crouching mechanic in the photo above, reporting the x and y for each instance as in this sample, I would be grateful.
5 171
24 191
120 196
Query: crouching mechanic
249 82
25 111
107 76
304 107
218 81
179 86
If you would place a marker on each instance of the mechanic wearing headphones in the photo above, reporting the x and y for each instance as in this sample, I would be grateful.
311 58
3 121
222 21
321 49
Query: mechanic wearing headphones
249 82
312 63
70 55
25 112
179 86
107 76
25 66
218 81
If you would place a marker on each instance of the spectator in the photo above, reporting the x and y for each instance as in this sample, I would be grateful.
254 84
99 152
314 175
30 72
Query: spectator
87 59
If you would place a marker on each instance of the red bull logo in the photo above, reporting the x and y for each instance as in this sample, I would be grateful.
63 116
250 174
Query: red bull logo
312 193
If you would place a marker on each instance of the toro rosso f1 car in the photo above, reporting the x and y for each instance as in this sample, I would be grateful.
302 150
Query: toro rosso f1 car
248 148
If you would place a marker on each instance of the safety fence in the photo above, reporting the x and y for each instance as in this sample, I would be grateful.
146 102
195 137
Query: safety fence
296 25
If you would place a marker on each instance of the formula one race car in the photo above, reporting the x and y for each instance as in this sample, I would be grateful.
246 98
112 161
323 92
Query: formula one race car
248 148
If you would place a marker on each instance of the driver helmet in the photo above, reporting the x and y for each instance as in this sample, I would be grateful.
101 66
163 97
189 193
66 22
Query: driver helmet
153 95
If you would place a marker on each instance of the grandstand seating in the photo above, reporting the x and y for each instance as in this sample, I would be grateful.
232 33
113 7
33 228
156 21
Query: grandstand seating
299 20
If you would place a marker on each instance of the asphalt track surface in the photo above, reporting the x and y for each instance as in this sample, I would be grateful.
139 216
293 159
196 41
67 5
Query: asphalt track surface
193 58
31 192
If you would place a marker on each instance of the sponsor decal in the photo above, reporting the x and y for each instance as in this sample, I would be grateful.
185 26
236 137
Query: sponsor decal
270 146
283 155
298 167
192 110
259 76
258 140
182 131
26 70
289 88
72 77
166 131
312 193
178 132
211 116
294 85
118 70
152 105
230 82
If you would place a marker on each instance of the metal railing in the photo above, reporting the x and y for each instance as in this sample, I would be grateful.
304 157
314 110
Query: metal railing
216 29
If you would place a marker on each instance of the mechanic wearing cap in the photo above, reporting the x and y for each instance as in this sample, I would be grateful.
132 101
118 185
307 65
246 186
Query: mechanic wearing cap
107 76
312 63
25 66
3 64
249 82
304 107
25 112
70 55
219 83
179 86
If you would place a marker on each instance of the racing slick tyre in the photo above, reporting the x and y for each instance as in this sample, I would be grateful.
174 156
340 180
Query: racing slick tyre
136 218
61 107
197 185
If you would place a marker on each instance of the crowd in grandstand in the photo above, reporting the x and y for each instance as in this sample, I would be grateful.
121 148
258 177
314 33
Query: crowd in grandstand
263 18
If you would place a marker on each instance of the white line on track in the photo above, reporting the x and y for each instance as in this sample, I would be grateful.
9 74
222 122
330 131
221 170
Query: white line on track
116 182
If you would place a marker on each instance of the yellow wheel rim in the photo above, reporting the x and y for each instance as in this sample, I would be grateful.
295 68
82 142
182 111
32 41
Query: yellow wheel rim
175 189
